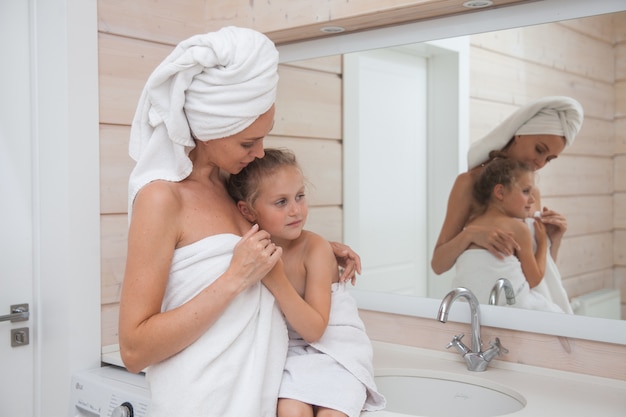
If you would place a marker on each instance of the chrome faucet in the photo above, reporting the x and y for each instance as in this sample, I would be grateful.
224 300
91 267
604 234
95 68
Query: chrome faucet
475 358
509 292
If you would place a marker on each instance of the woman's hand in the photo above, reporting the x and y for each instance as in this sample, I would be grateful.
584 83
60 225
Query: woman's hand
254 256
498 242
347 259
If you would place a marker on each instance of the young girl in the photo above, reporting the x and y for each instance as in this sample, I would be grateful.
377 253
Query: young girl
504 191
328 371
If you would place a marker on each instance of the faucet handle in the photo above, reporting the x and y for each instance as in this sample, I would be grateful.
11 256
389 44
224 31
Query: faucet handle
456 339
458 344
498 346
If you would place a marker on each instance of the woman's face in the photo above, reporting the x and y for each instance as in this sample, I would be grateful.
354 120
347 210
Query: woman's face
233 153
535 150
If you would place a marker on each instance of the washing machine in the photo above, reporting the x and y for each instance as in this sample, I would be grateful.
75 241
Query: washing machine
109 391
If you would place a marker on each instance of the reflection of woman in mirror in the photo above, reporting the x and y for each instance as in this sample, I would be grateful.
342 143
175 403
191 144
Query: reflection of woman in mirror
535 134
504 194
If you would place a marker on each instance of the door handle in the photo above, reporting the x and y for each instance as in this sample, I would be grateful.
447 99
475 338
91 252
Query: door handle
19 312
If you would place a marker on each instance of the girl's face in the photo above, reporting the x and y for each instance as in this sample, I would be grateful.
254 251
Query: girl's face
233 153
281 208
518 199
535 150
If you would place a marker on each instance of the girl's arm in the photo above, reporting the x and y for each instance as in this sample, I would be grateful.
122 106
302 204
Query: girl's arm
556 225
308 315
533 264
147 335
455 238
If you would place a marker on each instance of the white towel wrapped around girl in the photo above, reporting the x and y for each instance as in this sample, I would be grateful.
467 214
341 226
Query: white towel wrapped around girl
478 270
323 373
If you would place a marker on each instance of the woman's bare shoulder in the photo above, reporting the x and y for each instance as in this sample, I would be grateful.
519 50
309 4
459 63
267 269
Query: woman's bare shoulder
159 190
464 183
464 179
158 197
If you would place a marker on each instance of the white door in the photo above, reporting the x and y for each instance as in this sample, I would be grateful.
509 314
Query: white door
385 131
16 208
49 207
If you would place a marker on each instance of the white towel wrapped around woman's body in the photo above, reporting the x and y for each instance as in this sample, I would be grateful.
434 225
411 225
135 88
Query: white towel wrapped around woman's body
336 371
478 270
235 368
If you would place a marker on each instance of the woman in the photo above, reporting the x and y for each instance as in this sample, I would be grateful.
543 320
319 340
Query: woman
194 309
535 134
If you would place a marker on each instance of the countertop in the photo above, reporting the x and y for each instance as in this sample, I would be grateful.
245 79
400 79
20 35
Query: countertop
546 392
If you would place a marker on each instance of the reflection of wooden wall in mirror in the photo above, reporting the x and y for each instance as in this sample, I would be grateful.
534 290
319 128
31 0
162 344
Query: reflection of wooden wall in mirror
509 68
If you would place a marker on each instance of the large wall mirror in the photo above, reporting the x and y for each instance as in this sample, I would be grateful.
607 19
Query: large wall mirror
413 182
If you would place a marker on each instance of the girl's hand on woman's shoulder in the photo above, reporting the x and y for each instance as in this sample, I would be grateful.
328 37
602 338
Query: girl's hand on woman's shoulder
349 262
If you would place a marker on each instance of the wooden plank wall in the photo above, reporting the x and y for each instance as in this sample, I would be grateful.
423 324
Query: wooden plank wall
124 66
135 36
584 59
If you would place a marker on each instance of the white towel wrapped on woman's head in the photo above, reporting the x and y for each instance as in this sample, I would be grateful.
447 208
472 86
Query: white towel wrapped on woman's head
212 86
552 115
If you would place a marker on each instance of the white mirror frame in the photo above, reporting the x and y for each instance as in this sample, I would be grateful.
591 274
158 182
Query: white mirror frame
525 14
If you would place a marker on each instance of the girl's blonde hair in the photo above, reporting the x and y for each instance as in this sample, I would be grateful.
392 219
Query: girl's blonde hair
244 186
500 170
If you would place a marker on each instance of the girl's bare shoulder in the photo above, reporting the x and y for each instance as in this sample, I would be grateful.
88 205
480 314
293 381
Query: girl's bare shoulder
511 224
315 246
500 221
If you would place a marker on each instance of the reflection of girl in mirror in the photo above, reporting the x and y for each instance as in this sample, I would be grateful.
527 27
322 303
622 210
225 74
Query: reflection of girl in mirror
504 193
535 134
328 369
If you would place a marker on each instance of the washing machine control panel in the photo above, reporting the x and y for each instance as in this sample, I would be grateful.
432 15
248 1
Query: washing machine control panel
108 392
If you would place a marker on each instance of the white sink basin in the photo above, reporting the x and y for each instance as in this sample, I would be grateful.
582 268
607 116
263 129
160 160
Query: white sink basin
438 394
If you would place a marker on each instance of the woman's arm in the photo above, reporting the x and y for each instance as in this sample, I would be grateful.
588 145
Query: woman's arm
308 315
146 334
455 238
